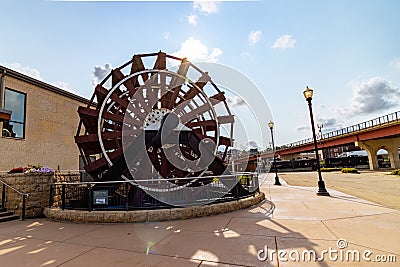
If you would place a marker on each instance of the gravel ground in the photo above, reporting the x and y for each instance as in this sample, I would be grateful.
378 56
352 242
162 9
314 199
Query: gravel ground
378 187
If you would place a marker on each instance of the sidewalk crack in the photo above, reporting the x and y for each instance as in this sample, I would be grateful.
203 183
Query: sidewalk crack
330 230
76 256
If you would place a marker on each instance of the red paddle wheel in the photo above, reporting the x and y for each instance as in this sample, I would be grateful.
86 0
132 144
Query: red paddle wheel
135 102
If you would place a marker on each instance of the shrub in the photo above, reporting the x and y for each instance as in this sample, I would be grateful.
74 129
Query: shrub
349 170
395 172
17 170
330 169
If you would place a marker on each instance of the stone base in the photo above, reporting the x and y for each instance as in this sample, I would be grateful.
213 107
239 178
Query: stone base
83 216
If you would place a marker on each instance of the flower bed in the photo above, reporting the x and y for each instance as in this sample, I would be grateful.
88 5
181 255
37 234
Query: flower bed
32 169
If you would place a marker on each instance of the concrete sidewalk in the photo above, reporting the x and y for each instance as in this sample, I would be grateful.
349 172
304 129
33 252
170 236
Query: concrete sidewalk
293 220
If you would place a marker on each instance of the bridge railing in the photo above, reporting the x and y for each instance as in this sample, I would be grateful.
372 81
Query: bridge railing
389 118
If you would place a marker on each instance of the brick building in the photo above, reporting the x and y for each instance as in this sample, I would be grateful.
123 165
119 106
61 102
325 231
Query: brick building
42 125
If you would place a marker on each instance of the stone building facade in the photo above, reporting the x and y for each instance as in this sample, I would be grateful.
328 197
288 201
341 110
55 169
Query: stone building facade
42 126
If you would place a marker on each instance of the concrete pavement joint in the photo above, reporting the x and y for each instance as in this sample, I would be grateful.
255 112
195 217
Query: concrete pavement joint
276 249
359 216
360 201
184 258
162 239
330 230
305 204
93 248
377 249
231 264
226 226
102 226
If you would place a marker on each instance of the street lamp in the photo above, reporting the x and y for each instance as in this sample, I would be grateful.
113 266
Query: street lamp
308 94
271 127
320 126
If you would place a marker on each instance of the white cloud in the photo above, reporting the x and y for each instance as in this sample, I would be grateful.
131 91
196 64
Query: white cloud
195 50
62 85
235 101
254 37
65 86
253 144
284 42
192 19
34 73
246 56
31 72
303 128
208 7
327 122
376 94
395 64
100 73
166 35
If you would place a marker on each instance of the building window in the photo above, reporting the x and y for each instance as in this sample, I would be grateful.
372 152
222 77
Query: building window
16 102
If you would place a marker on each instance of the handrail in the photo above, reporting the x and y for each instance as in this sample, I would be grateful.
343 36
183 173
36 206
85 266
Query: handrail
386 119
3 197
16 190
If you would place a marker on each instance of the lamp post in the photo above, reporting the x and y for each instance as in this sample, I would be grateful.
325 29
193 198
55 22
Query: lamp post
308 93
320 126
271 127
323 152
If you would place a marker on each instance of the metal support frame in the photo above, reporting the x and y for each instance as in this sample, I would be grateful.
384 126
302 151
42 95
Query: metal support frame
63 197
3 196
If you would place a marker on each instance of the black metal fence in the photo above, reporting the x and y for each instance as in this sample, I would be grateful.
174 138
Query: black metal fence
127 195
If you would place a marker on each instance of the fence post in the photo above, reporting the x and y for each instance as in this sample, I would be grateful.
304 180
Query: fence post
89 190
3 196
126 196
51 195
23 207
63 196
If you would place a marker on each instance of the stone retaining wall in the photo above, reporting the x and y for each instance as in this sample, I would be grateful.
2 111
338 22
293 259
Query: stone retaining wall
80 216
37 186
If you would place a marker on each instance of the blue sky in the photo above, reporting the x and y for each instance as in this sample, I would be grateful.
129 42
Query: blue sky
347 51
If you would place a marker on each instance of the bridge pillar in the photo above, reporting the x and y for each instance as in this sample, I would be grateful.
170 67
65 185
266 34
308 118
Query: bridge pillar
391 145
371 151
393 152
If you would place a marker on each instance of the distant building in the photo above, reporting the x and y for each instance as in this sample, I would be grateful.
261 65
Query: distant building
41 127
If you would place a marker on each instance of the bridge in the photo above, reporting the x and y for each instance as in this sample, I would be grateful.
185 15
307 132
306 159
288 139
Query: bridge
379 133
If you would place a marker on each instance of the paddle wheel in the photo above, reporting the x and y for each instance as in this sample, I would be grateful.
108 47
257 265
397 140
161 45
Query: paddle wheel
152 122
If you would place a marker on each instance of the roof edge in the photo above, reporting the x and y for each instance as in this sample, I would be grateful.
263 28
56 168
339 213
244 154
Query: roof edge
49 87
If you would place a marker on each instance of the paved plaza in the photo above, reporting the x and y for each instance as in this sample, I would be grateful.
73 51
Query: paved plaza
288 227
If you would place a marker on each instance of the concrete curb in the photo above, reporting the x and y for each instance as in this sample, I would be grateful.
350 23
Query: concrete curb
135 216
